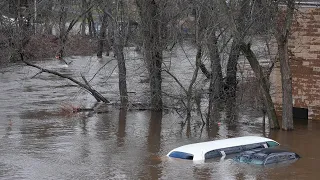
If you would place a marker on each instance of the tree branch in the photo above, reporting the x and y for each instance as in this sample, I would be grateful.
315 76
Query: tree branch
175 78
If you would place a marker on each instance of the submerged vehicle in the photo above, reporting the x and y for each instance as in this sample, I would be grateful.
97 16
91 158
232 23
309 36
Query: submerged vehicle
266 156
220 148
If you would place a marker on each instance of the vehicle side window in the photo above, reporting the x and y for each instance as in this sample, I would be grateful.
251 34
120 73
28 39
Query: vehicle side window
181 155
232 150
253 146
272 144
212 154
227 151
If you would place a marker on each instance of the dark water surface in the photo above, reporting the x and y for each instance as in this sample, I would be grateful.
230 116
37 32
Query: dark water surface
39 141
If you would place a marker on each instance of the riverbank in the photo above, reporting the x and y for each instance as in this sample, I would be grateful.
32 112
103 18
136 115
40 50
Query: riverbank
46 46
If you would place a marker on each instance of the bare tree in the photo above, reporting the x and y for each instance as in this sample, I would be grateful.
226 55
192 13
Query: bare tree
83 23
263 84
282 32
247 26
103 31
152 48
64 32
212 43
91 23
239 19
120 33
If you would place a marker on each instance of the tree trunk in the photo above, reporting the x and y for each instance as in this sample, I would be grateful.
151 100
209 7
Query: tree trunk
83 23
231 79
282 33
239 32
63 31
215 78
83 27
62 28
231 82
150 21
286 79
193 80
48 25
263 85
118 49
91 24
102 37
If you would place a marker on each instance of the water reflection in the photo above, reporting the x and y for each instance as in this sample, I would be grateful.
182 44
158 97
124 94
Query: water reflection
40 143
153 168
121 134
104 128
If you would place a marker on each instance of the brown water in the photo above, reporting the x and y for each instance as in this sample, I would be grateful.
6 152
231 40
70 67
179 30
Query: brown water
37 141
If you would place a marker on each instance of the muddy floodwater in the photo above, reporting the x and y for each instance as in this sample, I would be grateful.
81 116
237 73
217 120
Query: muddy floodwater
40 141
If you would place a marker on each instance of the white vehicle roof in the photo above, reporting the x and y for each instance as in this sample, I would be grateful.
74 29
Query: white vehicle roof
198 150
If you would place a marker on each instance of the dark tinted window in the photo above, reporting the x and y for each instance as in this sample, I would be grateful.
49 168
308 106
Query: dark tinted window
181 155
212 154
237 149
227 151
233 150
253 146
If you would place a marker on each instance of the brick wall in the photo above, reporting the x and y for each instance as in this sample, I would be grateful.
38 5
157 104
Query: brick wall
304 48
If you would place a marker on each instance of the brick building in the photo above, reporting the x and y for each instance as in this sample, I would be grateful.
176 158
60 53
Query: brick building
304 49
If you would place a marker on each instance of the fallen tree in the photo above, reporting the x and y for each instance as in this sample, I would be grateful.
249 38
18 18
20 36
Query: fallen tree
85 84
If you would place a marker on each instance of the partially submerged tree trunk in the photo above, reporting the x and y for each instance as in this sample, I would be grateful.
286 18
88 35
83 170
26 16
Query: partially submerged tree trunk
119 41
151 24
238 27
282 34
193 80
118 47
215 78
263 85
200 24
286 79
